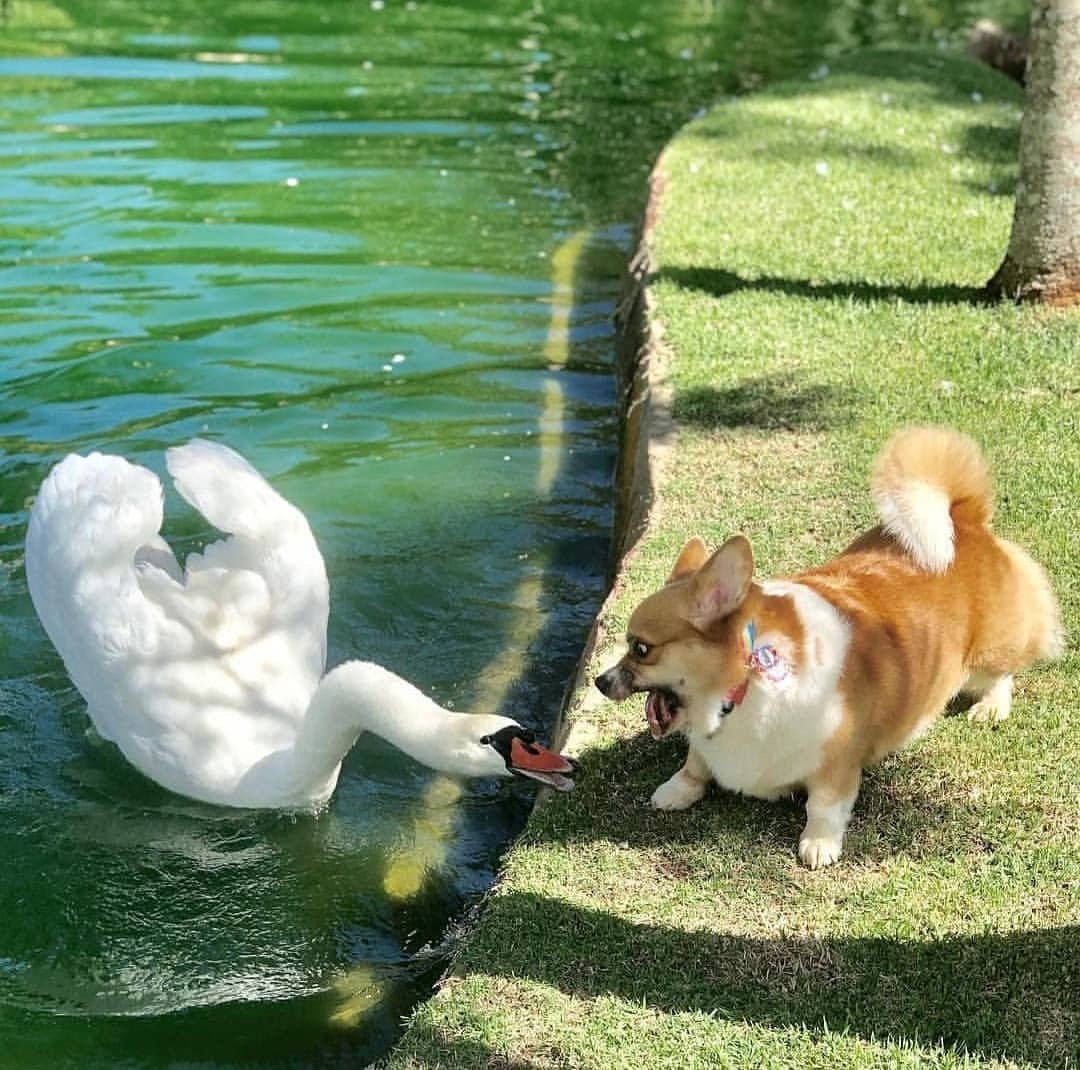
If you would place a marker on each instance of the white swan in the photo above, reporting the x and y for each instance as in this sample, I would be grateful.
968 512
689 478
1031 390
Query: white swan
211 680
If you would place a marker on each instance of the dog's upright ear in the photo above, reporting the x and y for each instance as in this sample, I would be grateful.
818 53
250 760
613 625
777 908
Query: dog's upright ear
691 558
721 583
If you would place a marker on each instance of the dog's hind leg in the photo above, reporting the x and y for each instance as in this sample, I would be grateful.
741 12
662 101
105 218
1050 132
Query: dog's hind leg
685 787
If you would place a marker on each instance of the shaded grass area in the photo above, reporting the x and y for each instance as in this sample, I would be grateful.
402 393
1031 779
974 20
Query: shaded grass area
819 257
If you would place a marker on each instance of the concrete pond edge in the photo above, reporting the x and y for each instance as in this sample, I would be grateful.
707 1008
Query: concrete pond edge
647 434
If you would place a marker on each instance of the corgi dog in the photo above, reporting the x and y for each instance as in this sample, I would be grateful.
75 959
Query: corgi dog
803 682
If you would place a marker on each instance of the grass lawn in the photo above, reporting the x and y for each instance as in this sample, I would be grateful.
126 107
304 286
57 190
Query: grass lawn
817 258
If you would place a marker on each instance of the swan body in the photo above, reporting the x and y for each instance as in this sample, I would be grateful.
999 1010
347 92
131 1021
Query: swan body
210 679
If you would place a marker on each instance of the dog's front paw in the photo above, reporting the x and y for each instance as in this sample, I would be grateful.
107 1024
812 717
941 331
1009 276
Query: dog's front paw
677 793
989 712
820 851
994 704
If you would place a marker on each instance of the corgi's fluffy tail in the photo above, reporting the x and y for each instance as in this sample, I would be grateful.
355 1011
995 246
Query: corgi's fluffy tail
925 481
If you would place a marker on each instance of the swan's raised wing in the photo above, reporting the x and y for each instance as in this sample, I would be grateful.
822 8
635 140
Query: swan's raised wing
244 628
269 576
92 518
230 493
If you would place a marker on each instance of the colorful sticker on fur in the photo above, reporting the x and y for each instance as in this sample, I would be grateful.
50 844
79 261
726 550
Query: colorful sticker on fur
764 659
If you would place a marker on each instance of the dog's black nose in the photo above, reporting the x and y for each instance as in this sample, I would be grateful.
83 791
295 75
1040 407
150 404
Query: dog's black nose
605 681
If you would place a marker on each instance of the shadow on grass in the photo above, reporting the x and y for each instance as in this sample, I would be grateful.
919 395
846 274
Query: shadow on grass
769 402
998 995
942 79
457 1053
1000 148
997 144
719 283
902 809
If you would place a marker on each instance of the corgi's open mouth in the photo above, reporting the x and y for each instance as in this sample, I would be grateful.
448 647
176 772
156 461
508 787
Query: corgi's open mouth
661 709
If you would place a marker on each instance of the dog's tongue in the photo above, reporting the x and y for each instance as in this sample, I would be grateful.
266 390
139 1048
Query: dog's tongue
659 713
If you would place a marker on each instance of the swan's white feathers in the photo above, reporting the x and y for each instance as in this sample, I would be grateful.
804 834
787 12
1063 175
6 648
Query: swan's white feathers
158 554
222 608
270 538
230 493
211 680
164 657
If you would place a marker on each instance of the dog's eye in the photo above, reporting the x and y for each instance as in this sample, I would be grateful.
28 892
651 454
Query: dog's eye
640 649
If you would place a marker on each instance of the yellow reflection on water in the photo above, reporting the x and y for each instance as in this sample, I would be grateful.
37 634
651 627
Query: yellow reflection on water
428 845
357 991
433 827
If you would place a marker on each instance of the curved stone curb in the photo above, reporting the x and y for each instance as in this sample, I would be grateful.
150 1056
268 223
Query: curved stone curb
646 438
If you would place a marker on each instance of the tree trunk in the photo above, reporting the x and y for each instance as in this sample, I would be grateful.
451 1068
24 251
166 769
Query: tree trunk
1043 259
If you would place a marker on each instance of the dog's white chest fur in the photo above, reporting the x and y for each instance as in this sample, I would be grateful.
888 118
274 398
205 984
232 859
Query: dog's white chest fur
773 739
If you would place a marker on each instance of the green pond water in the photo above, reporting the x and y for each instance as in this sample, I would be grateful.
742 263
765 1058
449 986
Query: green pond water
376 247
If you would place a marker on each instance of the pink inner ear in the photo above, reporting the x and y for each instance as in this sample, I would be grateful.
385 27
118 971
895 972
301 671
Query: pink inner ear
718 596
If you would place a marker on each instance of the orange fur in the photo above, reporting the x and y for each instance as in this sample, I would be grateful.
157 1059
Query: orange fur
928 603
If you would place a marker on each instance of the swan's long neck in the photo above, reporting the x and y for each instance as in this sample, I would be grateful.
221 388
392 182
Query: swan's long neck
360 696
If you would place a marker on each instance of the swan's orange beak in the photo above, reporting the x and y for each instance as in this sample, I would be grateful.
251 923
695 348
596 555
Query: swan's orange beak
531 759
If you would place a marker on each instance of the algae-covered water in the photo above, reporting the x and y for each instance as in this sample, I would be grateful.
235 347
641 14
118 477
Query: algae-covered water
376 247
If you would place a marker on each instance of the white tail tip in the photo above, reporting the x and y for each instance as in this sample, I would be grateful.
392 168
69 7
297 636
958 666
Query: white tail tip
917 516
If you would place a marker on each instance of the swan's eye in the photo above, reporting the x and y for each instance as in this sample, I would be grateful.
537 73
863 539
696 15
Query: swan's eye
640 649
485 739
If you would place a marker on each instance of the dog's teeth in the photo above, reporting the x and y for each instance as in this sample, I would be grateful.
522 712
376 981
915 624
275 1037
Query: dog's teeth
660 710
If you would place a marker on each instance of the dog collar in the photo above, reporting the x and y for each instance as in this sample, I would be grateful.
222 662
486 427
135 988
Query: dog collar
763 659
734 697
